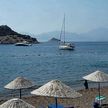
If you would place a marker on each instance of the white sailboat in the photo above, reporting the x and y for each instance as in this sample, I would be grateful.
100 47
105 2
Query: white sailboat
64 45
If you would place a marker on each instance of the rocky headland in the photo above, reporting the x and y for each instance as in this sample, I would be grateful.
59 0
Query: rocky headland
9 36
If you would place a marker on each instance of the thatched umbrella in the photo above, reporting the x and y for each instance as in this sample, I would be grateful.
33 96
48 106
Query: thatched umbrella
19 83
99 77
16 103
56 88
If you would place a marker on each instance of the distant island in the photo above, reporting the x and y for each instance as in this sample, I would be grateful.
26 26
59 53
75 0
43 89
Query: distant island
9 36
54 39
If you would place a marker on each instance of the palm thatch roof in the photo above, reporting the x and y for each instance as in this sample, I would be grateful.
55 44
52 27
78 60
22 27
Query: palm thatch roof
56 88
97 76
16 103
19 83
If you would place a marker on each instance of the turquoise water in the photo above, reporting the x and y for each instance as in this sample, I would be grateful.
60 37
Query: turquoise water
44 62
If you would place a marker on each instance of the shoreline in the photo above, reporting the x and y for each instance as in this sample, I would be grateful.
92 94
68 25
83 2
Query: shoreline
86 101
26 92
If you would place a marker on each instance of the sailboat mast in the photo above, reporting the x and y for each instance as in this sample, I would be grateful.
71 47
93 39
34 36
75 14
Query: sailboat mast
64 27
63 31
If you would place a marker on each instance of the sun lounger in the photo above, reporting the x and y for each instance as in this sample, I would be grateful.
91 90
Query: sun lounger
54 106
69 107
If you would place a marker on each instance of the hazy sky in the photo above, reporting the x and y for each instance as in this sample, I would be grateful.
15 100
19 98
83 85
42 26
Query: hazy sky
39 16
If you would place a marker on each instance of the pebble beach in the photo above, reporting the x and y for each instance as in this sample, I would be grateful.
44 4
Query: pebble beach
86 101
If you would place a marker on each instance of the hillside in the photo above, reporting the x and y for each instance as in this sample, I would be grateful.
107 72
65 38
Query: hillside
9 36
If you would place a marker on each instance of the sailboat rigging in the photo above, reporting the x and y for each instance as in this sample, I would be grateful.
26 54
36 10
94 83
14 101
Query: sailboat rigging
64 45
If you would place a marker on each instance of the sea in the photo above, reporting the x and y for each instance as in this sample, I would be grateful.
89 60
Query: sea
44 62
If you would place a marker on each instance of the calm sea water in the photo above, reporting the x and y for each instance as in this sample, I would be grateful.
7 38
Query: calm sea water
44 62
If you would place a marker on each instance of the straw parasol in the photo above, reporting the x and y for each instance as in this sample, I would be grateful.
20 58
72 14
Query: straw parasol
97 76
16 103
19 83
56 88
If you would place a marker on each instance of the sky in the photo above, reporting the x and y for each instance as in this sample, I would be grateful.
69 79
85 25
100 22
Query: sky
39 16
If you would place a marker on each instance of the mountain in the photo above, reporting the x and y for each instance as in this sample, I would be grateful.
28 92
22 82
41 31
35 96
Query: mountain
9 36
54 39
99 34
56 34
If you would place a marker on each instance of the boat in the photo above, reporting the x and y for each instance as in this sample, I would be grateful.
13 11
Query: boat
65 45
24 43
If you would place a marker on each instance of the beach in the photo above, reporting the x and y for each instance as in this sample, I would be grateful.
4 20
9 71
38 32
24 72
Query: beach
86 101
54 53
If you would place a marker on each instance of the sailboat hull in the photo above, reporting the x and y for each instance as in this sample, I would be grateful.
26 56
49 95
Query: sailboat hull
66 47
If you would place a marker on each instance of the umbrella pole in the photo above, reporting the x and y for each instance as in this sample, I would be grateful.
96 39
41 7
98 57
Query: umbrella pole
20 93
56 101
99 92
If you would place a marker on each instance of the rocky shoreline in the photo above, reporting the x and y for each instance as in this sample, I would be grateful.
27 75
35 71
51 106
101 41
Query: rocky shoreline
9 36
